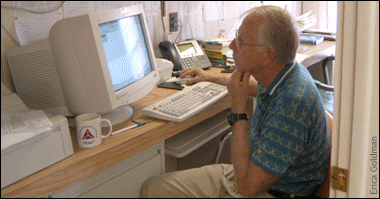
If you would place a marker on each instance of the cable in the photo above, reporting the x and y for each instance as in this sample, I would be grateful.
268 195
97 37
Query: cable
163 13
187 18
163 24
223 140
180 30
133 112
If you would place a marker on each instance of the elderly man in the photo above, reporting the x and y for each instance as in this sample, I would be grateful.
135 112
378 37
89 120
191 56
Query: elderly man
285 151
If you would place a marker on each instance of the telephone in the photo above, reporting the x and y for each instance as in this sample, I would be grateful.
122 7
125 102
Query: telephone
185 54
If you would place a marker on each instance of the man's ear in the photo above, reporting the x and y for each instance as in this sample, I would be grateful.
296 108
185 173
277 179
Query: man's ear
270 55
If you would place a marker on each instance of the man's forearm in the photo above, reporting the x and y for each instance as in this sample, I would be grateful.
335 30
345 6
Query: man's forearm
222 80
241 149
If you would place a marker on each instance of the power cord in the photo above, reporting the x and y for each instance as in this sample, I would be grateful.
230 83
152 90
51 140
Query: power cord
180 30
137 122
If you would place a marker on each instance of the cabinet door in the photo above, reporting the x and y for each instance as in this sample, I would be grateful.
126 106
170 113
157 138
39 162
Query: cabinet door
123 179
127 184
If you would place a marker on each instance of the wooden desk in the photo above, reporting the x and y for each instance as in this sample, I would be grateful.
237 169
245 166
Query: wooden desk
86 162
316 53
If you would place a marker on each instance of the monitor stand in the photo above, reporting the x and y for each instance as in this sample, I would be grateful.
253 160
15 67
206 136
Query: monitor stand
117 116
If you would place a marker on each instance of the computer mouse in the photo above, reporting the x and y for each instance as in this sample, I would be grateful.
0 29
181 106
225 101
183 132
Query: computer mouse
183 80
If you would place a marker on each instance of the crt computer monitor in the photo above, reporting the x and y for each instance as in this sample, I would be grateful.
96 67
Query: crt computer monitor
105 61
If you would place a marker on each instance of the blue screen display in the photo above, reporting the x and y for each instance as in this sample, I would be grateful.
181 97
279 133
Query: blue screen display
126 50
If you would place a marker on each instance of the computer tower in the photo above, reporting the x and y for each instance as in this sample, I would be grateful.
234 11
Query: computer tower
36 78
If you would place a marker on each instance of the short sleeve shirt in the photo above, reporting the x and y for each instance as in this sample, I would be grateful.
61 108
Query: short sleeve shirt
289 131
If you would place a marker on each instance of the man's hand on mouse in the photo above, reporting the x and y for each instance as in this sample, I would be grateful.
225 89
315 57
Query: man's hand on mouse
183 80
196 75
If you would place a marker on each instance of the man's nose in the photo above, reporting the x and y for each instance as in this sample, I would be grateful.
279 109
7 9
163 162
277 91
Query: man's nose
233 45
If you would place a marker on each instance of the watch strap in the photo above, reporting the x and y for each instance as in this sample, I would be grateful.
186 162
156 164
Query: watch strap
233 117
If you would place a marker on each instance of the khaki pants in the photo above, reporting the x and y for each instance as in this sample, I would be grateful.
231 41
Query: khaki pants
211 181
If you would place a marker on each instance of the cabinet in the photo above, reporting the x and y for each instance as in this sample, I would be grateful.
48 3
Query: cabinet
123 179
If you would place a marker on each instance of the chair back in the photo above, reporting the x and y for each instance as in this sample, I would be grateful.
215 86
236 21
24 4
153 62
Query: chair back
324 189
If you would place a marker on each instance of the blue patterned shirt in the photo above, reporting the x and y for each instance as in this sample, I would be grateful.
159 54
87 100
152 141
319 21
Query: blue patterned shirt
289 131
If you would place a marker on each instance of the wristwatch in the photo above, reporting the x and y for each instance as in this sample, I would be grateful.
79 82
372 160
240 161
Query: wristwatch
232 117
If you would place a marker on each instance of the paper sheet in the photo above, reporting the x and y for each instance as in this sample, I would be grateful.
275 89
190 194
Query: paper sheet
10 102
191 19
300 57
25 122
18 122
212 10
30 27
231 10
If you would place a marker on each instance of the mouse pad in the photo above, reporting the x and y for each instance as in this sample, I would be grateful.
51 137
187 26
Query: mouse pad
171 85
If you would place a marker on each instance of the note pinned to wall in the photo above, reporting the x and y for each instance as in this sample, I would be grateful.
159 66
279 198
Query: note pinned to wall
191 19
212 10
31 27
231 10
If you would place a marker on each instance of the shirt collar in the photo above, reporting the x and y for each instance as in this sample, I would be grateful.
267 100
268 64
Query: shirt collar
280 77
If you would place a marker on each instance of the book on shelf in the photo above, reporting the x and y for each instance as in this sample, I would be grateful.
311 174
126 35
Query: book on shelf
215 55
219 65
311 39
216 50
215 45
221 61
327 37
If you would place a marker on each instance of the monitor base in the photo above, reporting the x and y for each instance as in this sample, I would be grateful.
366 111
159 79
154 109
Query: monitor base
116 116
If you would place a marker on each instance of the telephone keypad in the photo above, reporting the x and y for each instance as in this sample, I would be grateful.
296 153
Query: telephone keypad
199 61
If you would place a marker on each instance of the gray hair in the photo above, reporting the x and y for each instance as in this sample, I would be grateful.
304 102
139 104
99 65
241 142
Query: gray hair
279 31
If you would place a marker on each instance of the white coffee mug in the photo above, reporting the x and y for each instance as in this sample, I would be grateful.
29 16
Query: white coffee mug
89 130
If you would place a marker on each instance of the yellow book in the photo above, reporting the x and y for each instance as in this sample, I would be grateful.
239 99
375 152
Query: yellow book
216 45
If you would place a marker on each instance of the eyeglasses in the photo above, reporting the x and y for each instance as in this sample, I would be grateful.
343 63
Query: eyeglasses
239 41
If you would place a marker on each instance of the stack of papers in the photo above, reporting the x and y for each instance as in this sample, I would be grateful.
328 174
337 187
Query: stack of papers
305 21
300 57
18 122
10 102
25 122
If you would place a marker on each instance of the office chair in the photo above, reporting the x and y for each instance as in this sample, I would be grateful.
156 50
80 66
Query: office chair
325 69
323 190
326 89
327 92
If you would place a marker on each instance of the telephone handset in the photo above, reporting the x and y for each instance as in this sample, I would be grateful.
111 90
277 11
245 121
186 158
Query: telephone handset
170 53
185 54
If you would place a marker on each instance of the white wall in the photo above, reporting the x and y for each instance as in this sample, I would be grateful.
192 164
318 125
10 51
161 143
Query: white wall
356 106
194 16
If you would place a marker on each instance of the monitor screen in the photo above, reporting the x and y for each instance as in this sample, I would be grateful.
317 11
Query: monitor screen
125 46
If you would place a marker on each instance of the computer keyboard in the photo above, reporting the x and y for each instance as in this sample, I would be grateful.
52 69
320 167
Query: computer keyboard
187 102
